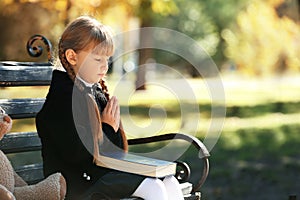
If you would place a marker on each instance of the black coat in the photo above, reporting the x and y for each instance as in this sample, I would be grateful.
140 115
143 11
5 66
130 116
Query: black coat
62 147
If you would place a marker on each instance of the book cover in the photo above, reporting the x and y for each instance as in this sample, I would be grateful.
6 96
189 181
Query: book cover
136 164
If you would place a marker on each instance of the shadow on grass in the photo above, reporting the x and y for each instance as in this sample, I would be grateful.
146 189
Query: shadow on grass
264 165
173 109
261 109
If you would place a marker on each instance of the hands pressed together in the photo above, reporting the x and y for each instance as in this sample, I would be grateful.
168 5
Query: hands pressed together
111 113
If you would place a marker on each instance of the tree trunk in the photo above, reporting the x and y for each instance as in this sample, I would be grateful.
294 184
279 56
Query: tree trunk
145 40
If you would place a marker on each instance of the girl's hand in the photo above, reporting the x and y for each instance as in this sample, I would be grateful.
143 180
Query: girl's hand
111 113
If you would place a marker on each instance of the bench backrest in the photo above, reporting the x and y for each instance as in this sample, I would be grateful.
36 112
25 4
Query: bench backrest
15 74
18 143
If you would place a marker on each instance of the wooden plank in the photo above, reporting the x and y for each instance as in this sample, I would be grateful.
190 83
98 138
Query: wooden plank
31 173
22 108
25 75
20 142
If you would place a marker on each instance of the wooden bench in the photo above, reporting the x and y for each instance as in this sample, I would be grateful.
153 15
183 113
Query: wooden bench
33 74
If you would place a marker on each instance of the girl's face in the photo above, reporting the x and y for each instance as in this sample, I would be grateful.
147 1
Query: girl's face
91 67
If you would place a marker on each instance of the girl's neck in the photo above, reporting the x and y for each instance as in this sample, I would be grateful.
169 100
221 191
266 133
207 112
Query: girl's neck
84 82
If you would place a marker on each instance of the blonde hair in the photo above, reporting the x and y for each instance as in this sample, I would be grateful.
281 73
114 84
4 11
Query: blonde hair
81 34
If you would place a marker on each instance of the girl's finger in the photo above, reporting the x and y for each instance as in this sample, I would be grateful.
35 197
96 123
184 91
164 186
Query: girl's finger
116 113
115 106
108 106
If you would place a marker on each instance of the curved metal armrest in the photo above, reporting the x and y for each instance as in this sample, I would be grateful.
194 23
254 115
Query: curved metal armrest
203 152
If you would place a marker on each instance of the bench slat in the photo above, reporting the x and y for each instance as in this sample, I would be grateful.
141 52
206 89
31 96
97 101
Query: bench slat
31 173
21 75
22 108
20 142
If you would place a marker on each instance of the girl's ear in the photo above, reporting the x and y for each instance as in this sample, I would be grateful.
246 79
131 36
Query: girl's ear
71 56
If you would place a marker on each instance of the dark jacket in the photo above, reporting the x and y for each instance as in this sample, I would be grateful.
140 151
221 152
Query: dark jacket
65 143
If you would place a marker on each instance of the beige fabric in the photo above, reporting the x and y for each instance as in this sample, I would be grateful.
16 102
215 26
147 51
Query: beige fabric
48 189
19 181
13 187
6 173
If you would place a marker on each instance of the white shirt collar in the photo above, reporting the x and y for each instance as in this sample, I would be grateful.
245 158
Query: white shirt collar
84 82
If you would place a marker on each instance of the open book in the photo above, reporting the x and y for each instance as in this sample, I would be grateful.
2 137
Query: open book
136 164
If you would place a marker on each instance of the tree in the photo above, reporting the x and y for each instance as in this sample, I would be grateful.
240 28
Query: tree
16 21
49 19
204 21
264 43
147 11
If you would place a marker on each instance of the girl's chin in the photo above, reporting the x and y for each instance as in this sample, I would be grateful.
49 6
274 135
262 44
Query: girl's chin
101 76
99 79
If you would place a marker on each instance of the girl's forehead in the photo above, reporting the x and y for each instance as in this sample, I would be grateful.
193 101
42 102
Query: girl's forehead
104 51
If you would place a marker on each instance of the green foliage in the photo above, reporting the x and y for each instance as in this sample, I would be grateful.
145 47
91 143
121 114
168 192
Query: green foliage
264 43
260 36
203 21
223 14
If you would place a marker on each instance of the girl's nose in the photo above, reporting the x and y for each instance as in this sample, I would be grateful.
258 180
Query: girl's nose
7 119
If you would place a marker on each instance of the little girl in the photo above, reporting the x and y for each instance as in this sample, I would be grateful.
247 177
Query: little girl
73 131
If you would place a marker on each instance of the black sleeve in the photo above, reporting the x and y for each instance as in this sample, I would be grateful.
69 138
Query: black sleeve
112 139
58 133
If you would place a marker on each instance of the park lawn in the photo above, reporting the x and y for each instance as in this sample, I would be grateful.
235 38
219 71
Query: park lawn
256 155
264 165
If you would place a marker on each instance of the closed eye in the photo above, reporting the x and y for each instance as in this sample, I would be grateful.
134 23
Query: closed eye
106 59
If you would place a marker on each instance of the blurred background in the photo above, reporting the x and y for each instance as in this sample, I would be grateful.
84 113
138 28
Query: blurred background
255 45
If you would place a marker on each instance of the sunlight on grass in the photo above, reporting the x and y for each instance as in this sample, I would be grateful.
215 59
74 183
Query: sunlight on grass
160 110
241 91
24 92
238 90
136 127
266 121
26 125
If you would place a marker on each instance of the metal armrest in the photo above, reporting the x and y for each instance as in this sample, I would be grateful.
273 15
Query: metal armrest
203 152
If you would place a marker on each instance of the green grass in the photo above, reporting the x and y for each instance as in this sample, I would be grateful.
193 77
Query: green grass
266 164
252 163
256 155
263 109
